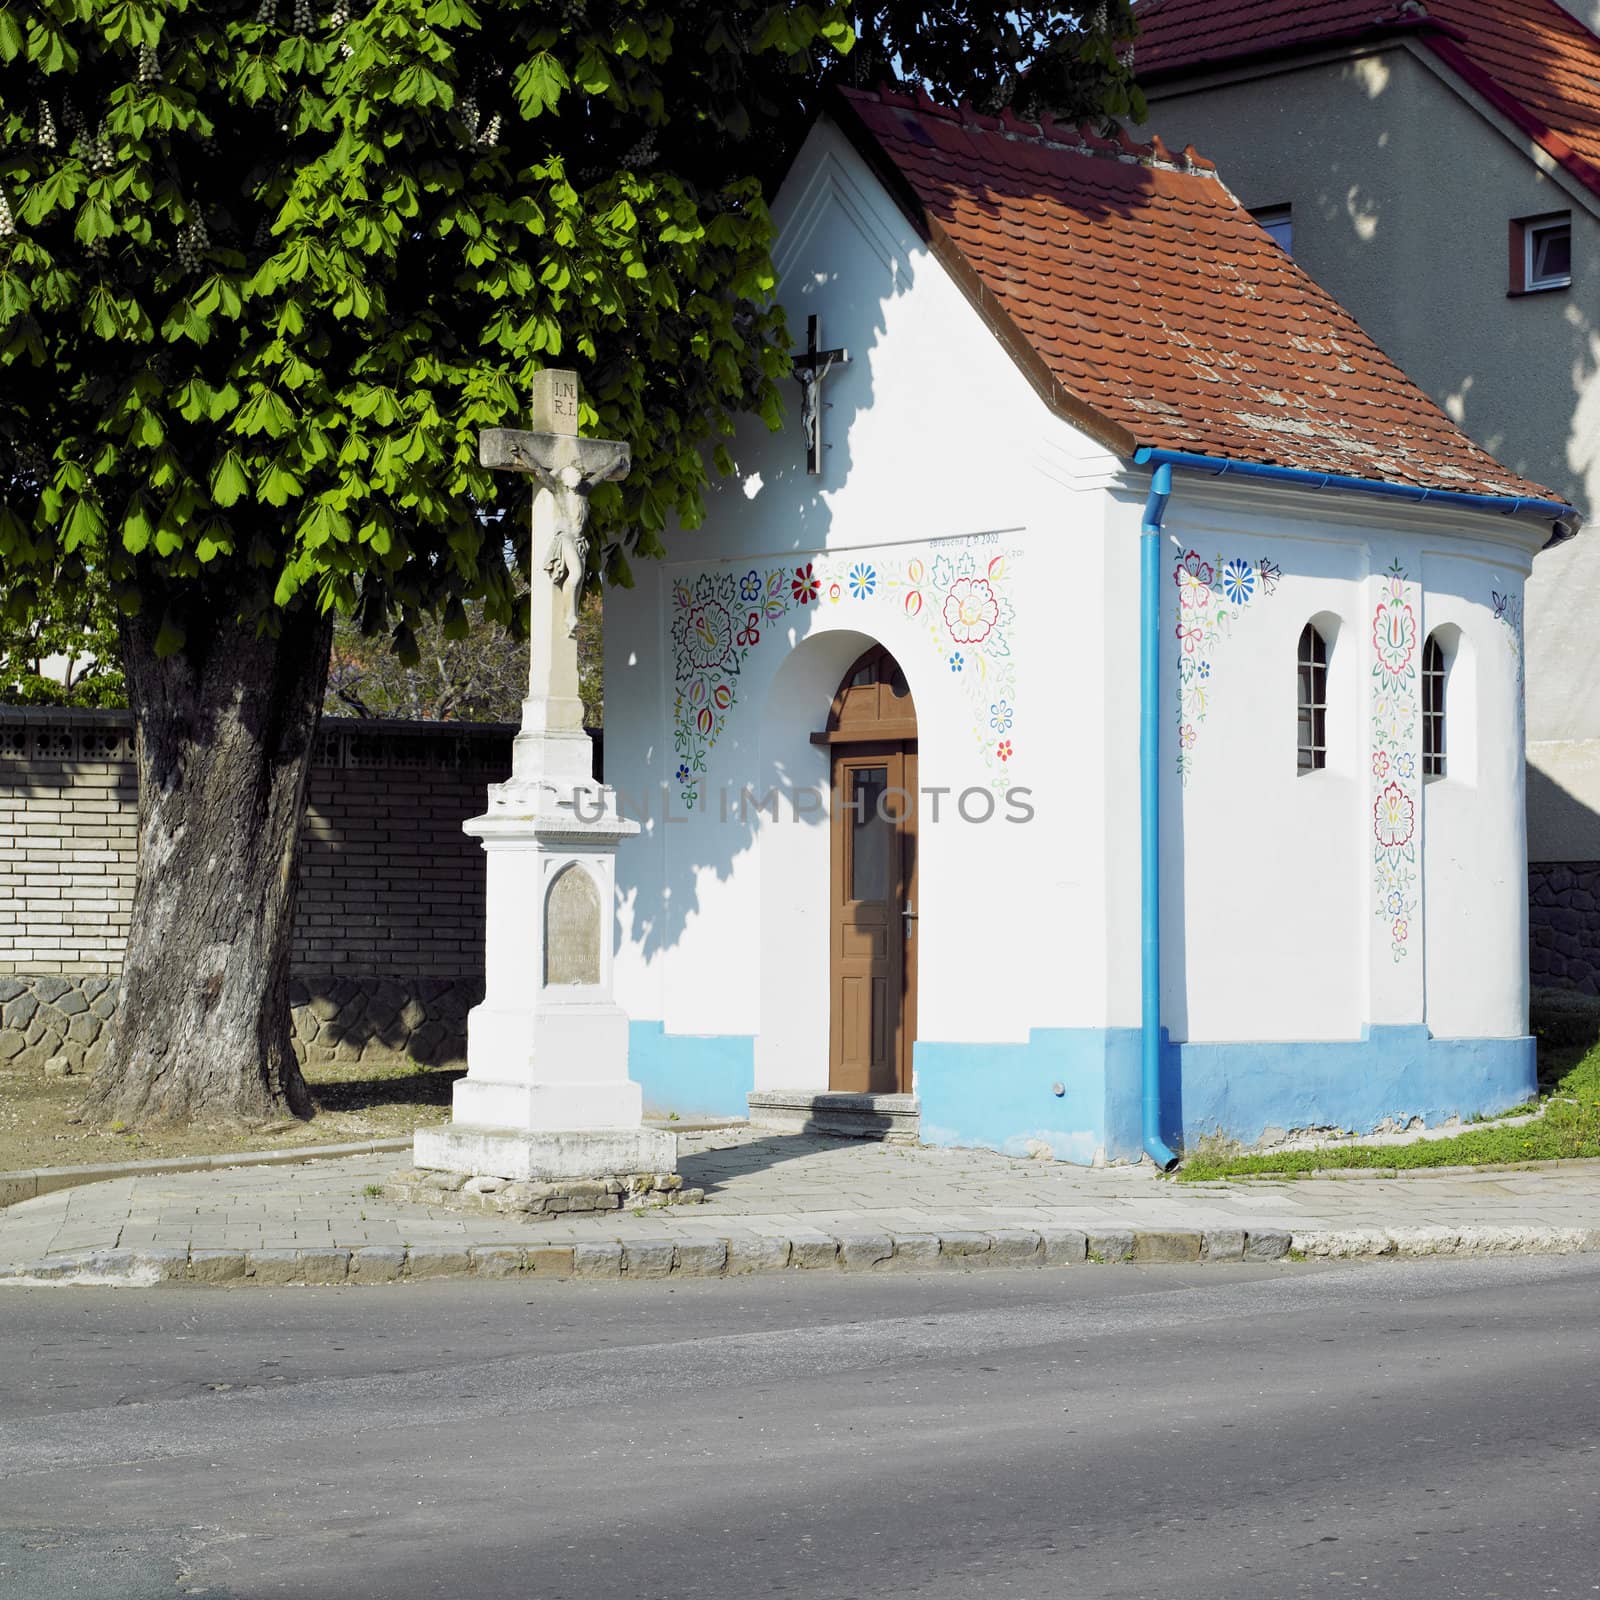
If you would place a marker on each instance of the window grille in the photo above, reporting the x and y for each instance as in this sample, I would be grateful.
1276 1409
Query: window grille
1434 670
1311 679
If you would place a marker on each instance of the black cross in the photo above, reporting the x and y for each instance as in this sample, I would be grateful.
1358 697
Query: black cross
810 369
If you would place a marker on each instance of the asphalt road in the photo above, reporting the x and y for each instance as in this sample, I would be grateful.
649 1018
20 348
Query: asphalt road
1409 1430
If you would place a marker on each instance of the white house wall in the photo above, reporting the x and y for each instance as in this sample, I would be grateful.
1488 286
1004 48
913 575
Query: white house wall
1293 993
942 466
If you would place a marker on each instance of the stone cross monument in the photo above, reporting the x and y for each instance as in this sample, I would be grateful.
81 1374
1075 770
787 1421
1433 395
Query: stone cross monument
547 1096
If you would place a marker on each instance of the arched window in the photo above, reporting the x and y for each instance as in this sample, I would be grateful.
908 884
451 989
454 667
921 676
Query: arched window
1311 688
1435 670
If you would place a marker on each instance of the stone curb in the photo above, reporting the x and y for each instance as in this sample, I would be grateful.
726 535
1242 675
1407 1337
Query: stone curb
30 1182
741 1254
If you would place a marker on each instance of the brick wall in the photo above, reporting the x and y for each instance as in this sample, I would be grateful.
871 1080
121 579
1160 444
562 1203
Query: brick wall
389 929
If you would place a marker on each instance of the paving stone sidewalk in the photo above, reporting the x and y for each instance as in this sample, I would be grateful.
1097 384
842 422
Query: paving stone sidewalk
775 1201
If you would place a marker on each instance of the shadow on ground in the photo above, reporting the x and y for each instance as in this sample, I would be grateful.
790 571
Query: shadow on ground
708 1169
428 1086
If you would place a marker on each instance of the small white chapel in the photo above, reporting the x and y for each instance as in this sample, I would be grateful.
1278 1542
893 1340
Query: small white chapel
1094 721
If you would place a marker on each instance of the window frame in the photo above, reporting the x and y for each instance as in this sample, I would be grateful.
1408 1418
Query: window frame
1435 690
1525 234
1270 218
1311 701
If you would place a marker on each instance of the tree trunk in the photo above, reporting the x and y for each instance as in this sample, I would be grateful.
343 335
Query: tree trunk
225 735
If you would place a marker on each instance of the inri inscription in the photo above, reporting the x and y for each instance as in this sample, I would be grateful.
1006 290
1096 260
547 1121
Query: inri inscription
572 928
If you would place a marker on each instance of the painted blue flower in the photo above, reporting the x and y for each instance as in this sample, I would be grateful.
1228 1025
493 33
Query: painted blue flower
956 661
863 580
750 586
1396 904
1405 763
683 773
1204 669
1000 717
1238 581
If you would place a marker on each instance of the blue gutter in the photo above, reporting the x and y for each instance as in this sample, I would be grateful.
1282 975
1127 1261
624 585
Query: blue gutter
1507 505
1150 708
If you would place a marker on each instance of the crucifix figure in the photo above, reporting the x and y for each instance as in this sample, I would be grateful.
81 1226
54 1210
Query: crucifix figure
565 469
810 368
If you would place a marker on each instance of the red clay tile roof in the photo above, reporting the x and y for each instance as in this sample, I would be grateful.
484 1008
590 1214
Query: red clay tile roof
1147 305
1534 62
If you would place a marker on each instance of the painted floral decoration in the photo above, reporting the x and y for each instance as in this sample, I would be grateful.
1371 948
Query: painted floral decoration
1395 725
1193 578
915 594
1394 633
970 610
1211 595
1238 581
1394 817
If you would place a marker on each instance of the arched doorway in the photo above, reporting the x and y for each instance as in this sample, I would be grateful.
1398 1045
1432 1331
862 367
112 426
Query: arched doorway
871 735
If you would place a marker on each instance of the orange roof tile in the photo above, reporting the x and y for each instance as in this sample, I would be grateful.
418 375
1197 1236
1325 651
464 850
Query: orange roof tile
1147 305
1533 61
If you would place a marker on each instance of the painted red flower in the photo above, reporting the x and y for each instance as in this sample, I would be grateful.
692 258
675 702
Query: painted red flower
1003 749
804 585
971 610
1394 815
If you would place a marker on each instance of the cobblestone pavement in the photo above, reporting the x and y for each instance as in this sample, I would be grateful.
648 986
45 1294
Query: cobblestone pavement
779 1200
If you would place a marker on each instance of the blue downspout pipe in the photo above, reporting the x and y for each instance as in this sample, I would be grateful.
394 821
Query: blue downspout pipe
1155 509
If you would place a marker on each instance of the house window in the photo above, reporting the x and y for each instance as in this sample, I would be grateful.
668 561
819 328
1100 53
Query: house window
1541 253
1279 222
1435 669
1311 679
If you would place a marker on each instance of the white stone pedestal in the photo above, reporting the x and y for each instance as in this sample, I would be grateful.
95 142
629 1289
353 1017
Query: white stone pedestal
547 1094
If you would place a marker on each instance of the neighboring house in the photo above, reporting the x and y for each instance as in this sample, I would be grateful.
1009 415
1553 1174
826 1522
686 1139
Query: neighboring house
888 705
1437 167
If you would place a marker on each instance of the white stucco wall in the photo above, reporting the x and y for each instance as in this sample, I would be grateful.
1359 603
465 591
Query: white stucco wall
1403 185
1279 914
945 463
941 454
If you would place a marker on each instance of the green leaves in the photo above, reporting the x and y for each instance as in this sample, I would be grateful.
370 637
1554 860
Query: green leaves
539 83
265 288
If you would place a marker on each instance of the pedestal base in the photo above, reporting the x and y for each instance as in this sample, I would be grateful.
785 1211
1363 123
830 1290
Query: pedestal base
524 1156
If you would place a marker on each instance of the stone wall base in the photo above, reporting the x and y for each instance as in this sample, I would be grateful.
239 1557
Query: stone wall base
1564 925
633 1191
384 1021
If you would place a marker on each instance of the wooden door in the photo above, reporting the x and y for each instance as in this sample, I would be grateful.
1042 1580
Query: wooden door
873 978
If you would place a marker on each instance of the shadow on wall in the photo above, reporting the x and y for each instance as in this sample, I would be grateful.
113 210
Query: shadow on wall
385 1020
716 725
1563 896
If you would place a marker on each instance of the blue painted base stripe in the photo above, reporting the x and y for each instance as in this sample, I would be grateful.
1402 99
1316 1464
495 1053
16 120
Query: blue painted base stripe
694 1074
1002 1096
1245 1090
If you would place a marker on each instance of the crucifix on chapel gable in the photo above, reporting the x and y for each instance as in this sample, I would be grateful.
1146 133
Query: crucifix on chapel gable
811 366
